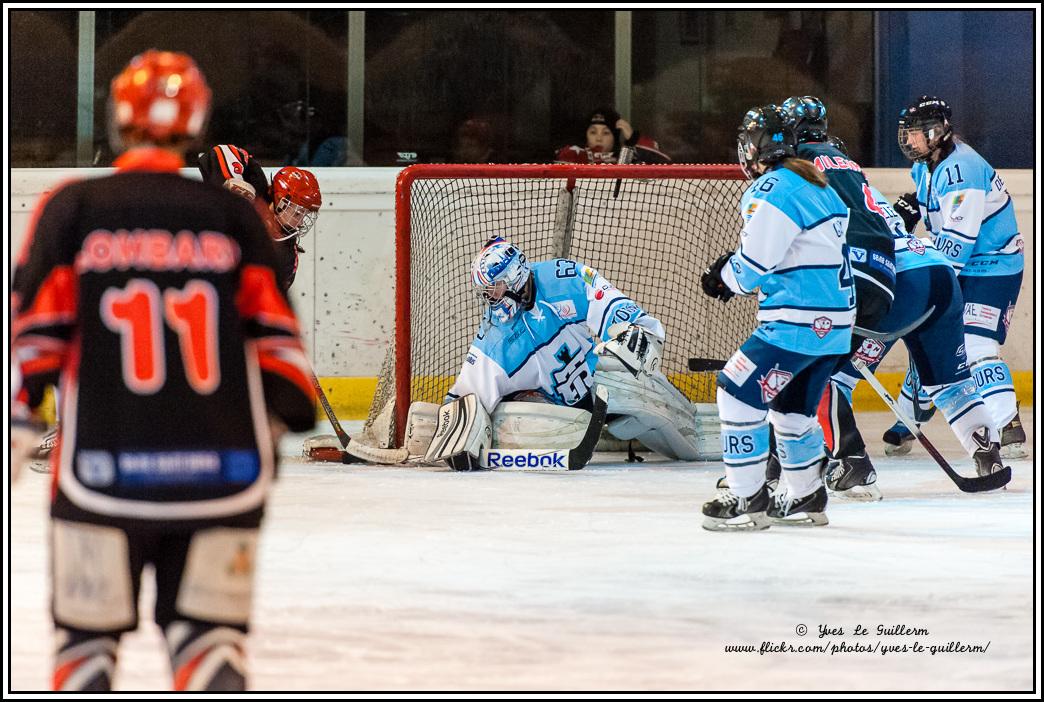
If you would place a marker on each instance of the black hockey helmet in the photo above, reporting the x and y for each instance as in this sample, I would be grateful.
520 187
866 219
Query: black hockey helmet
928 116
807 117
764 137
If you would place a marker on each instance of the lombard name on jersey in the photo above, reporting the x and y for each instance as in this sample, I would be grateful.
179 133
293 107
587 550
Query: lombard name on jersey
792 248
551 346
969 214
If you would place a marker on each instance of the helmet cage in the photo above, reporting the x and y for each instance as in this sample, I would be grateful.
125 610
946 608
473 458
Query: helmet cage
934 132
294 219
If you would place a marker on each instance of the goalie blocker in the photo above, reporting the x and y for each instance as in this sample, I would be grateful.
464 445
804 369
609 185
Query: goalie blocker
465 434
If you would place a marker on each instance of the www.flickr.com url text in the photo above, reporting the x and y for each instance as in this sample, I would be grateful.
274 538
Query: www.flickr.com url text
831 648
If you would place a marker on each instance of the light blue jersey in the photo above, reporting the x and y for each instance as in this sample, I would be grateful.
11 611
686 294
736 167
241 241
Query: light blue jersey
550 347
969 214
792 251
910 252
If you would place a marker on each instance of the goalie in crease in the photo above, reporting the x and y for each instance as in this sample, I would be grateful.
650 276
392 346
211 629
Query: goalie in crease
550 330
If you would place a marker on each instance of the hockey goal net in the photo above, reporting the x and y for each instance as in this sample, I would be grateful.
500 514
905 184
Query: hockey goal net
650 230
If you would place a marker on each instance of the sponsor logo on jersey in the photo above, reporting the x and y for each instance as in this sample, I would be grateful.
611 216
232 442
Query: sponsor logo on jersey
962 356
916 246
981 316
881 263
739 368
957 202
857 254
822 326
870 351
772 383
237 167
95 468
565 309
751 209
1008 315
588 275
471 359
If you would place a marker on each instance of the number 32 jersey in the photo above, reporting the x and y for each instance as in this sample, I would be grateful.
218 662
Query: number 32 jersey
549 347
153 299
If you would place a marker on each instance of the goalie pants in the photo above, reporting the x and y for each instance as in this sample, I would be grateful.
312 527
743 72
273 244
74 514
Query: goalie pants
204 576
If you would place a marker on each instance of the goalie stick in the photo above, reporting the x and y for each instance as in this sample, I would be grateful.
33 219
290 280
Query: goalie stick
993 481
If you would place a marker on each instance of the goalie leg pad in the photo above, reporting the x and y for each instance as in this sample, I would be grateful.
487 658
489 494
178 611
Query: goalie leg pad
420 427
653 411
526 425
462 432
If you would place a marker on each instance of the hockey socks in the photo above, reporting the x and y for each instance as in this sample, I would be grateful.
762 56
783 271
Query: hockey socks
745 450
965 411
994 382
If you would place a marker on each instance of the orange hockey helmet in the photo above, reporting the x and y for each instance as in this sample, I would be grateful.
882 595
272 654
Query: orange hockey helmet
161 97
295 200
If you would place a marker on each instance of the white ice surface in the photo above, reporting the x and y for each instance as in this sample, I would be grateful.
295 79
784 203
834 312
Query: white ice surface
409 579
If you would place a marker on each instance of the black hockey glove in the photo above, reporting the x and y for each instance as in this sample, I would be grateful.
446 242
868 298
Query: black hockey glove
711 280
907 208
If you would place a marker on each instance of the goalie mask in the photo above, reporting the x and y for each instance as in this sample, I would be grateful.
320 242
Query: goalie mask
765 138
295 201
504 279
807 117
924 127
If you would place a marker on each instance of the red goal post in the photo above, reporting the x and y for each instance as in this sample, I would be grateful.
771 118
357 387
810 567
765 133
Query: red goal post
650 229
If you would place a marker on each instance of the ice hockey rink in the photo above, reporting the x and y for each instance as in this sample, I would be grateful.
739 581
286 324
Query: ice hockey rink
421 579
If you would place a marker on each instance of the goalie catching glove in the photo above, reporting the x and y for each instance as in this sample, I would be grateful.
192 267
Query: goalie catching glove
638 349
711 280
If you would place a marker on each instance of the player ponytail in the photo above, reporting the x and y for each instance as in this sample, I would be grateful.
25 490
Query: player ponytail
806 170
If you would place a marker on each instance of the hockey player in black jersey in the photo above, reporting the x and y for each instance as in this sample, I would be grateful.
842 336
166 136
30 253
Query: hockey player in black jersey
289 206
871 253
153 300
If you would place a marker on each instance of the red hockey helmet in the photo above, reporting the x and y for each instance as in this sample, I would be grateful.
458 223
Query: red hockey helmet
161 97
295 200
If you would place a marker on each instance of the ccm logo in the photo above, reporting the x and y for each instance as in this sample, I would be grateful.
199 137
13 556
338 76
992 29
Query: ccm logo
496 459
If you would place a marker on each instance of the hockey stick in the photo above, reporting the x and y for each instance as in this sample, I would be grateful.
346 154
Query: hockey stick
342 435
993 481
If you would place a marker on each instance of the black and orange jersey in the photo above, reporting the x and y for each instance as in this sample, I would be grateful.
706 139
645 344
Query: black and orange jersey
152 300
227 161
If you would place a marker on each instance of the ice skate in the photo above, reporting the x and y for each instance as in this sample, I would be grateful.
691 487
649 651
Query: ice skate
809 510
898 440
853 478
1013 438
987 456
730 512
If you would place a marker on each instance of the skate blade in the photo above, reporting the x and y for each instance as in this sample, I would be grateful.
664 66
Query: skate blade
802 519
900 450
755 521
1014 451
859 493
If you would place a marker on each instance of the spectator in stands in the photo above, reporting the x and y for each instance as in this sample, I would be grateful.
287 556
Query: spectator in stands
611 139
473 142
